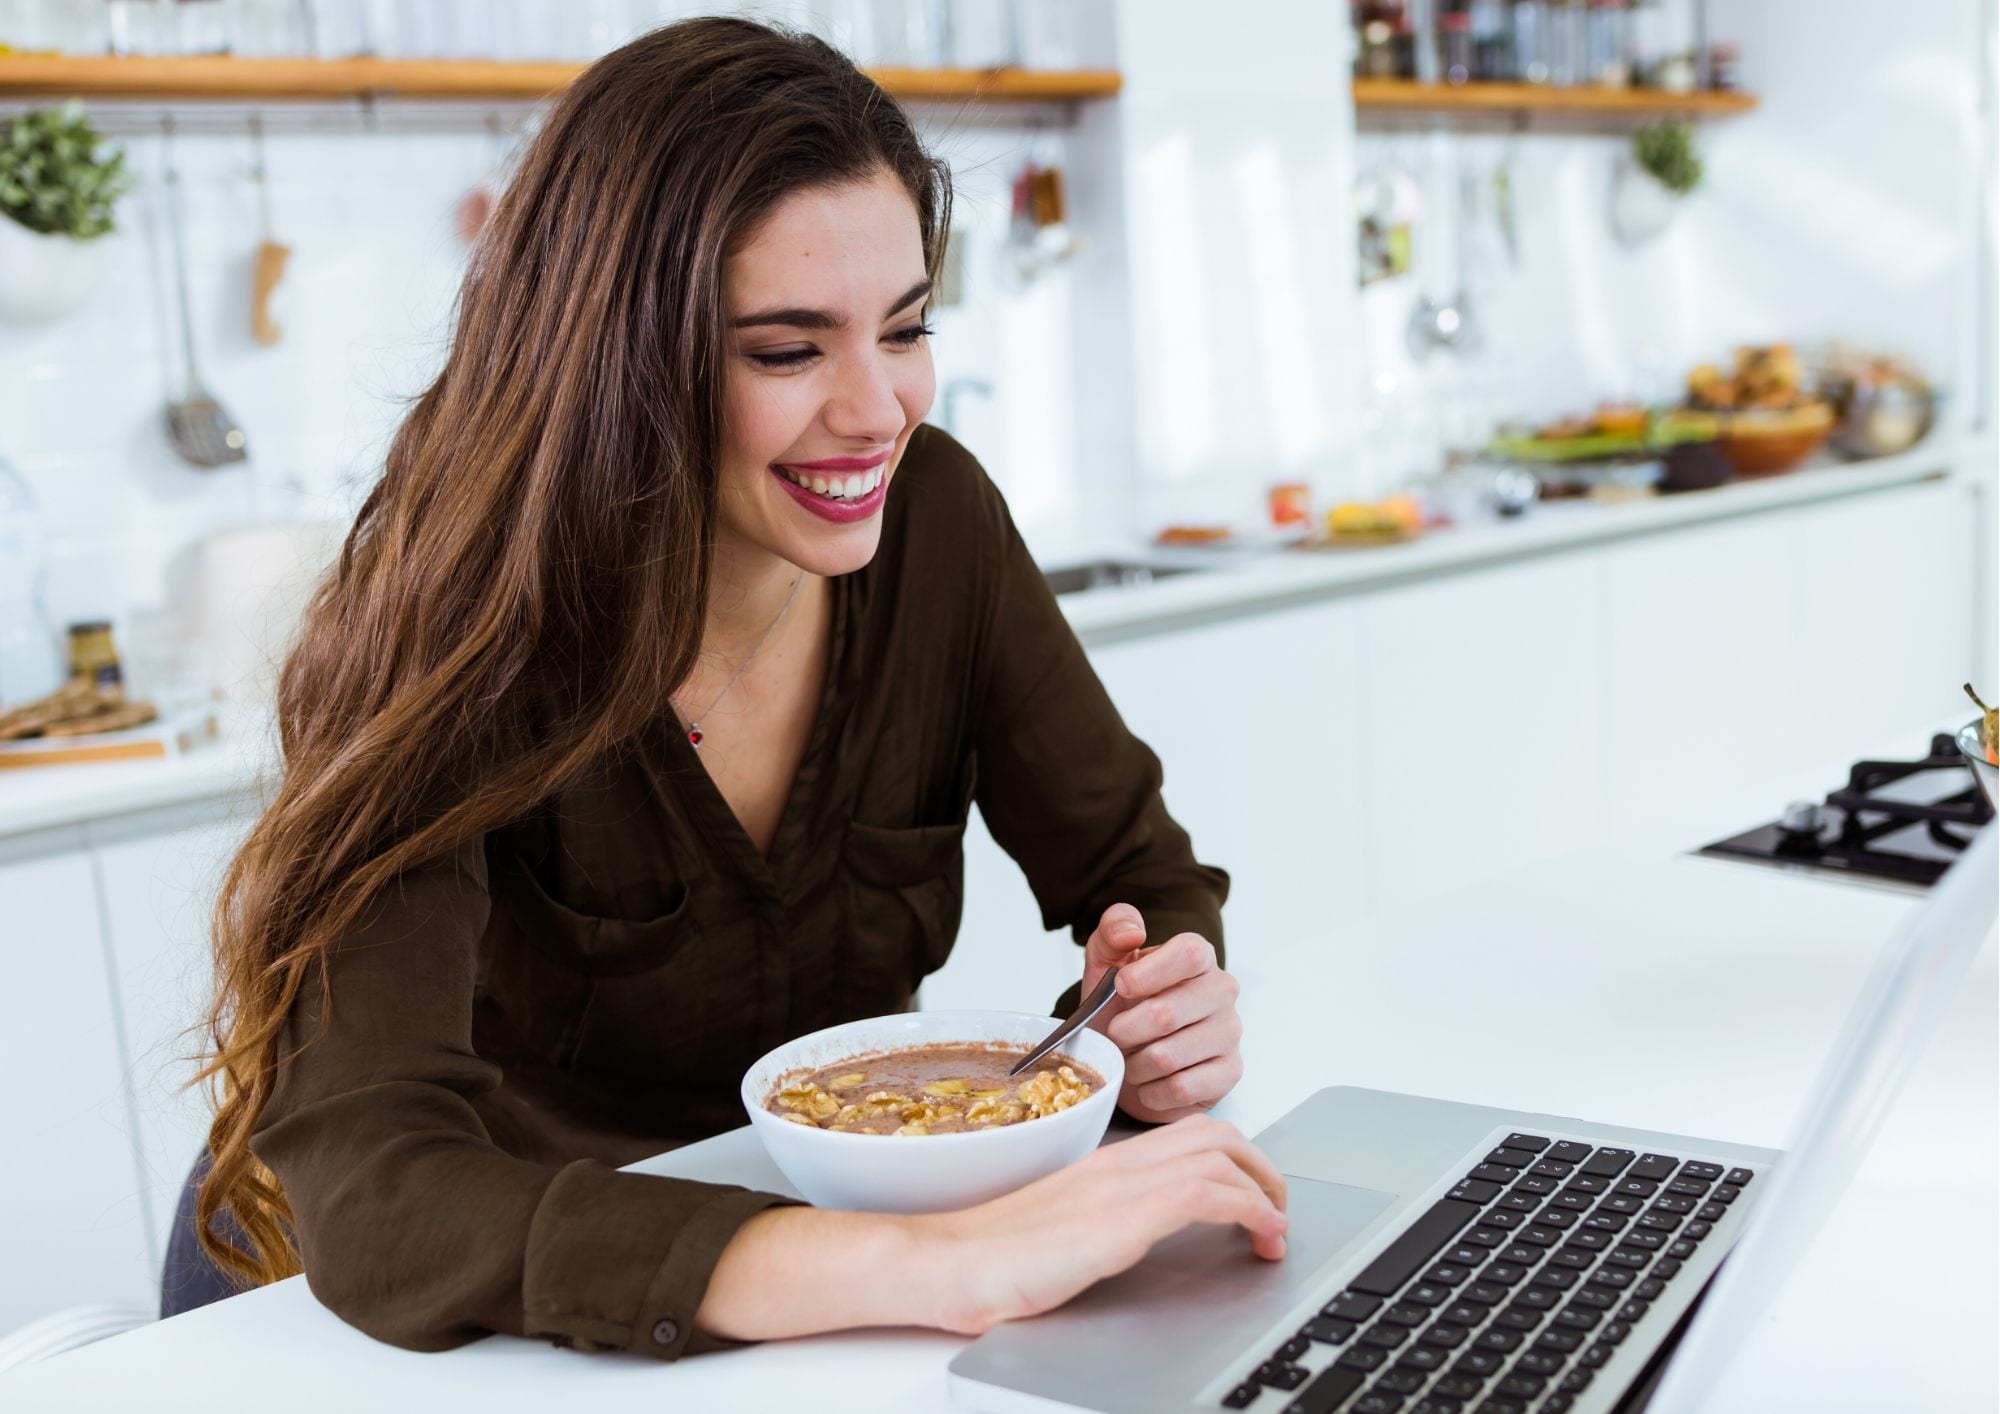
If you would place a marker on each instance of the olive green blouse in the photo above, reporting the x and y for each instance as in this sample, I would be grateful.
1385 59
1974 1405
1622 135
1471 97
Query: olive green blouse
584 988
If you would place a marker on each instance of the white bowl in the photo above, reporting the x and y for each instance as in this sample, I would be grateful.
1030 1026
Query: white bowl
1986 771
927 1173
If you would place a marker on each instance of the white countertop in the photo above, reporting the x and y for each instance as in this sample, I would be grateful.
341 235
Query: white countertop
1233 583
1665 991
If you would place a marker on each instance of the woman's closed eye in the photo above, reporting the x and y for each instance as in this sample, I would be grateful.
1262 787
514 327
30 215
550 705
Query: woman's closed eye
903 338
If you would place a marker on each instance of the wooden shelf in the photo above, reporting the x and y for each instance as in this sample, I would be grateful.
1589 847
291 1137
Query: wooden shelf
237 80
1382 96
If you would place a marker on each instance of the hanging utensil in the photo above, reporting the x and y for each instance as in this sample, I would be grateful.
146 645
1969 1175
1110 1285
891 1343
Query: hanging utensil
1448 323
197 427
269 266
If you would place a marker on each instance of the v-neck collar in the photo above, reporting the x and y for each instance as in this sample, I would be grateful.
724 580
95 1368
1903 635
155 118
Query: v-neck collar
706 802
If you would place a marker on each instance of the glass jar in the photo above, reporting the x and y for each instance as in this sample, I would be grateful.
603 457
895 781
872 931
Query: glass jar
200 27
1569 47
137 27
1531 41
1608 65
1455 48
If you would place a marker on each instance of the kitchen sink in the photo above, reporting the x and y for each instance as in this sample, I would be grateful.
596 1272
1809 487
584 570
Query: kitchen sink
1108 574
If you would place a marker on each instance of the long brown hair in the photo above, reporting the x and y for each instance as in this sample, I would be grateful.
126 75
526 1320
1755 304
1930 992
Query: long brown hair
528 581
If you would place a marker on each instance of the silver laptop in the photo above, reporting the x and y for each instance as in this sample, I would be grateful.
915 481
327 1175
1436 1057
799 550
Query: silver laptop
1446 1257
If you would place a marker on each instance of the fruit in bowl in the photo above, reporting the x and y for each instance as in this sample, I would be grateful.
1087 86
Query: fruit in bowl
1766 420
964 1146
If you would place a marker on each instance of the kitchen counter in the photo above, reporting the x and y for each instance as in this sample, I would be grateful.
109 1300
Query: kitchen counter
1231 584
1631 983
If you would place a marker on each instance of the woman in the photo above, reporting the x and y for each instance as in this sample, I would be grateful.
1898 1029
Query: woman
636 732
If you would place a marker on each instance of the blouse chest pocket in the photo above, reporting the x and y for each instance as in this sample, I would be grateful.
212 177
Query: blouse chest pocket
546 962
904 894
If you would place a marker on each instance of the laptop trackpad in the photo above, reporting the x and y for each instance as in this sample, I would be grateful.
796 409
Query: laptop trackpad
1201 1295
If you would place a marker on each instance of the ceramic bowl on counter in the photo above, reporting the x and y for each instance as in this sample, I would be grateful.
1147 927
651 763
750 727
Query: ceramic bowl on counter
1768 442
893 1173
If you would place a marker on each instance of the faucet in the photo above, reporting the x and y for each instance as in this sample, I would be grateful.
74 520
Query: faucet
954 389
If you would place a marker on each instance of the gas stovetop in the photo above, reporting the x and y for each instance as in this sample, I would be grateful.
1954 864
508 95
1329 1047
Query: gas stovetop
1900 823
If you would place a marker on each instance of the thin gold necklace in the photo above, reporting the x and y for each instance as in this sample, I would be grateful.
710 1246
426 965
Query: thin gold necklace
694 732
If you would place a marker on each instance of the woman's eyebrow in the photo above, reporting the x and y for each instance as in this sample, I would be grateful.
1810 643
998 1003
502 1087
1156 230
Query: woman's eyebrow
824 319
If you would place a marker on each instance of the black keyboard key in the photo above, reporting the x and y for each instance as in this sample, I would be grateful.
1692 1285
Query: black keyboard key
1484 1293
1424 1293
1556 1278
1517 1319
1292 1349
1649 1289
1504 1273
1328 1391
1630 1257
1551 1168
1680 1249
1668 1203
1666 1269
1514 1158
1726 1194
1538 1235
1577 1381
1624 1204
1444 1336
1614 1278
1406 1313
1500 1217
1636 1187
1573 1258
1463 1254
1501 1404
1279 1375
1578 1319
1537 1362
1377 1403
1388 1273
1243 1396
1605 1222
1695 1168
1568 1202
1586 1183
1558 1342
1457 1386
1590 1241
1485 1236
1634 1311
1606 1163
1481 1363
1352 1306
1538 1298
1595 1357
1523 1386
1474 1190
1651 1241
1422 1358
1494 1338
1327 1330
1464 1314
1696 1231
1568 1151
1557 1403
1710 1212
1556 1217
1400 1381
1653 1166
1738 1177
1384 1337
1613 1332
1597 1298
1363 1357
1445 1274
1688 1188
1533 1143
1540 1187
1519 1202
1494 1173
1659 1222
1435 1404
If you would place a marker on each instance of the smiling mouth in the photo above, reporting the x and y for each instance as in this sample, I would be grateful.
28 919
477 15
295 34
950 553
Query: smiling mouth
834 486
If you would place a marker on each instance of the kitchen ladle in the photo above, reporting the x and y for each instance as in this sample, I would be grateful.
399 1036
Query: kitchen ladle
1078 1019
200 431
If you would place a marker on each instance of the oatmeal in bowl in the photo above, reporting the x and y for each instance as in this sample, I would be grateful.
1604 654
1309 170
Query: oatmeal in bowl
916 1113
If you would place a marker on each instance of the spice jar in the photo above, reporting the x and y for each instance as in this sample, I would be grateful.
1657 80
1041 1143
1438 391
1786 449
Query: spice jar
94 657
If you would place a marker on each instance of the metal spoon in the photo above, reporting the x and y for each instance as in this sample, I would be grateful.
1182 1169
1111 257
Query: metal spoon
1078 1019
200 431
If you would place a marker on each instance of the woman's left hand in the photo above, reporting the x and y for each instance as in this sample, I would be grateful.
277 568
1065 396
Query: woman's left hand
1174 1017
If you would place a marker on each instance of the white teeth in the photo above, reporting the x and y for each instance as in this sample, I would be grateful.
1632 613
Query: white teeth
837 488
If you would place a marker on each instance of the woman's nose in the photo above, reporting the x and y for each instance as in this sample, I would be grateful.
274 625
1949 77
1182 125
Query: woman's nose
864 406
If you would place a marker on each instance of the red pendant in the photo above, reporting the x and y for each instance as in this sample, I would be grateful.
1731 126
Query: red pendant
694 738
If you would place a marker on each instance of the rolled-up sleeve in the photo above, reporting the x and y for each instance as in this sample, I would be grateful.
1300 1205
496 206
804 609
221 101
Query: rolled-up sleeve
411 1223
1063 786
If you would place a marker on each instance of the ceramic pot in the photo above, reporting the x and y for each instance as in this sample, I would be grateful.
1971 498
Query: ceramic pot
1642 206
43 278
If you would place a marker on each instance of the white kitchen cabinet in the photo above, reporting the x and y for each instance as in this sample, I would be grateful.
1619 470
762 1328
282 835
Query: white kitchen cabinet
160 871
69 1229
1482 718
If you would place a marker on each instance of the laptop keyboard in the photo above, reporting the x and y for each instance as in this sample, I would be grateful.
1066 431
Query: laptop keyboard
1510 1293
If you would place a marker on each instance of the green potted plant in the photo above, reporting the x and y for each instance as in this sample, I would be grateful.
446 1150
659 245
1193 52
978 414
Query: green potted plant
1662 169
59 185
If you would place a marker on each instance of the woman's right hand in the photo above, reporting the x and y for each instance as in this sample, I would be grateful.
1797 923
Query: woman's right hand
1029 1251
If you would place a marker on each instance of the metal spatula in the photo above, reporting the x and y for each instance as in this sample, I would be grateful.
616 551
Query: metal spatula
201 432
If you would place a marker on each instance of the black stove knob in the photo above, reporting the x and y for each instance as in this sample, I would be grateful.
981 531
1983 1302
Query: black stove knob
1801 817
